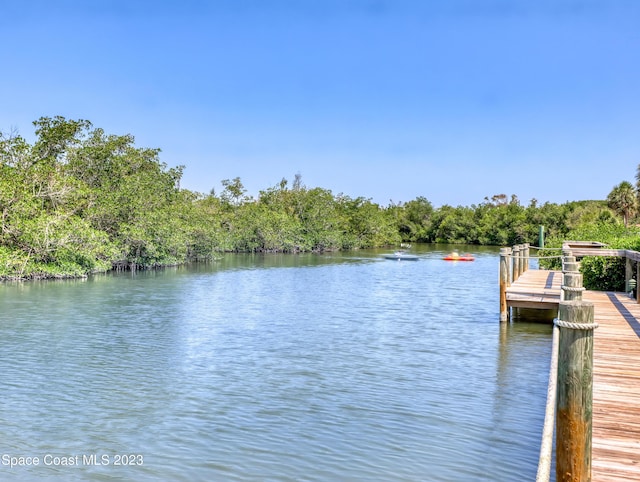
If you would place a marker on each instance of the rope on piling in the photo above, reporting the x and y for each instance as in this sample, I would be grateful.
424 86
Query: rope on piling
557 256
575 289
544 462
575 326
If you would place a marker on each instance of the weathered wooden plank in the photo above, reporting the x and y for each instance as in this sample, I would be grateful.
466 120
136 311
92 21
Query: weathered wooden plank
537 289
581 252
616 392
534 305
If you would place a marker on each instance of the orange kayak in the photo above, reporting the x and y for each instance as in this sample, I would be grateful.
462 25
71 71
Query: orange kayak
464 257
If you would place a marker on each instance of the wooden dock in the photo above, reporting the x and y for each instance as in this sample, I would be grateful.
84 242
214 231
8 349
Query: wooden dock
616 371
616 387
535 288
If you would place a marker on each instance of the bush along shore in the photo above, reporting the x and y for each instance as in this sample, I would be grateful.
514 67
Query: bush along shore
78 201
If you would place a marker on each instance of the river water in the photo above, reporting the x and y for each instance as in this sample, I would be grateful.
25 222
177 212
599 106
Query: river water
333 367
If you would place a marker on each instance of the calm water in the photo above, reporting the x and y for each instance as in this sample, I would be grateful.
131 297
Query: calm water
340 367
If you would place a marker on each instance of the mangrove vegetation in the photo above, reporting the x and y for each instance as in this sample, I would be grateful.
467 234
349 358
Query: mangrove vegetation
79 200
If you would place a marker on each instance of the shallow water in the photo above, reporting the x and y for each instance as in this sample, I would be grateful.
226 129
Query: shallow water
278 367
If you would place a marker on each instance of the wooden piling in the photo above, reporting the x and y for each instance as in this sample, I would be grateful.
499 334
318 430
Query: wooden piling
571 279
569 263
575 391
637 282
572 286
516 262
505 262
525 258
628 273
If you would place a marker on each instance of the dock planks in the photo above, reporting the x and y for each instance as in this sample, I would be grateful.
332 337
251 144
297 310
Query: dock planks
616 371
616 387
535 288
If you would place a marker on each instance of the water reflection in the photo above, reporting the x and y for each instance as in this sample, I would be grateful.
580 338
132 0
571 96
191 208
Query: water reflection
315 367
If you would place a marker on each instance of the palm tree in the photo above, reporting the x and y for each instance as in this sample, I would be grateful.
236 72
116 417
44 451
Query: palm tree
622 199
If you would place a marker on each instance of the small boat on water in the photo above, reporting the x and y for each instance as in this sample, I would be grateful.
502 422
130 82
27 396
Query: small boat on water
459 257
401 256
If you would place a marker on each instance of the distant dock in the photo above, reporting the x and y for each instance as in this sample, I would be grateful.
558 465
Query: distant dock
535 289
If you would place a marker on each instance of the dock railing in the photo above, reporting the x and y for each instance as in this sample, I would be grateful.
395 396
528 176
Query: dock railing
580 249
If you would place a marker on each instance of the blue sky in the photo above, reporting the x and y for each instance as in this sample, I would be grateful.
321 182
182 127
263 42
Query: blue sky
386 99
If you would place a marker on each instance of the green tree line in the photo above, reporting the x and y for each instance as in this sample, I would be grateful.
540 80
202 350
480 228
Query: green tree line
78 200
622 231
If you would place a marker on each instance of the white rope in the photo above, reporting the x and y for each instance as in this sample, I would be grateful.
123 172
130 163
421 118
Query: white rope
544 462
575 326
535 257
575 289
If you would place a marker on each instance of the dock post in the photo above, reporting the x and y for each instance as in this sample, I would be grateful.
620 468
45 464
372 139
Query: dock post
637 278
628 273
569 265
567 257
525 257
516 262
505 263
575 391
571 280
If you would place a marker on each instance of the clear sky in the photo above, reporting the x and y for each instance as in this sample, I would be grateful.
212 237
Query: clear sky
453 100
